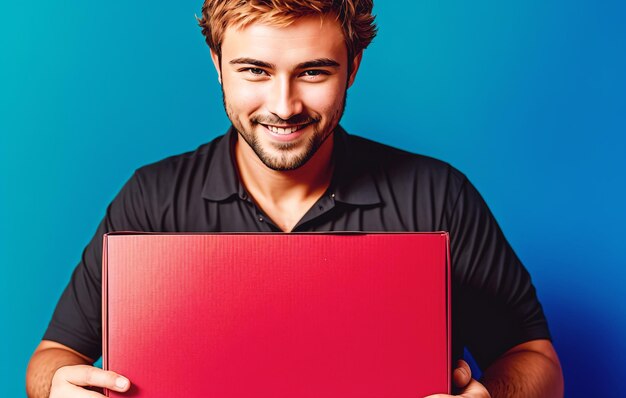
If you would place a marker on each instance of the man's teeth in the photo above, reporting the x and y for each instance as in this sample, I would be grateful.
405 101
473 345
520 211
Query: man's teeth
283 130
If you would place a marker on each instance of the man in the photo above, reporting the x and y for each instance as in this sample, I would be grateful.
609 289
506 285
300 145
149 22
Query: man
286 165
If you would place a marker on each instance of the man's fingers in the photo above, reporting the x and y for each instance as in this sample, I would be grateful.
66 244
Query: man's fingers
84 375
475 390
462 379
75 391
462 375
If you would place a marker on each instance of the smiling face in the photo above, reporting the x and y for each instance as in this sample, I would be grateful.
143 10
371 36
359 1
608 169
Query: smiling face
285 87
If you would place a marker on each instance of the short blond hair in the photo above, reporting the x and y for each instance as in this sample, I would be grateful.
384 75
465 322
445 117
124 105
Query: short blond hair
355 17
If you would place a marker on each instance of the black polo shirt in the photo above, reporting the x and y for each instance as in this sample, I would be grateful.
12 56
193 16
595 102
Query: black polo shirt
373 188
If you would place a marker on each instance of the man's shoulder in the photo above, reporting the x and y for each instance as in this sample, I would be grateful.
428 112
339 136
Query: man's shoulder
401 163
188 162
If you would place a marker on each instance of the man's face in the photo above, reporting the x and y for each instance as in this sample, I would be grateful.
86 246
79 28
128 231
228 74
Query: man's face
285 88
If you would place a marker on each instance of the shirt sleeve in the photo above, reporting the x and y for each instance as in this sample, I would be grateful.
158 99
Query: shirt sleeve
495 306
77 319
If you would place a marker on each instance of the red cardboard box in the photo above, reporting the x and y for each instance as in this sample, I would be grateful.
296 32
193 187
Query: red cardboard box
278 315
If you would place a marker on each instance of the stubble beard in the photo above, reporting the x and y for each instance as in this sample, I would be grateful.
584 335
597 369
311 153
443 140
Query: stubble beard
287 159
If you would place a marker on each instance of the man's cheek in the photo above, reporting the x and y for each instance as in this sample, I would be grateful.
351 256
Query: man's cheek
248 97
325 103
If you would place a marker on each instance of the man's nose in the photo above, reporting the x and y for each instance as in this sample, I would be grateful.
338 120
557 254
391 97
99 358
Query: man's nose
285 100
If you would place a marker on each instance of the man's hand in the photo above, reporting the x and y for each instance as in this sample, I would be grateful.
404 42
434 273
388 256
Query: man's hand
528 370
57 371
470 388
69 382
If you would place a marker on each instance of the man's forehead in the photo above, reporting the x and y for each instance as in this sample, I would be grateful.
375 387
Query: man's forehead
309 37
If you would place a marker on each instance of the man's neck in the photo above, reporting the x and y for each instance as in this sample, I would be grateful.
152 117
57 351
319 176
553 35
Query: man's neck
285 196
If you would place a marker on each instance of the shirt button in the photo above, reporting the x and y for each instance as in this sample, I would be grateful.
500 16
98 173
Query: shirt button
260 219
332 195
244 196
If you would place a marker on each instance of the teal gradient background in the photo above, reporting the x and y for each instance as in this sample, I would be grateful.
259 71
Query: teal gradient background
527 98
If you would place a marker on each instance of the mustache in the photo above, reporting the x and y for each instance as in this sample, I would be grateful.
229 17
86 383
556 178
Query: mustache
275 120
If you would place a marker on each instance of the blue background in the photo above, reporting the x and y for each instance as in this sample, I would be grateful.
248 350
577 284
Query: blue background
527 98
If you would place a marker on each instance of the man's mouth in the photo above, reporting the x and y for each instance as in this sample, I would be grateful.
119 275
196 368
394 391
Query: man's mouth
284 130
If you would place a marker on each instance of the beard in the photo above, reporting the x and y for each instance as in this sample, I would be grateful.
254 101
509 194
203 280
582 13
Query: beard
291 155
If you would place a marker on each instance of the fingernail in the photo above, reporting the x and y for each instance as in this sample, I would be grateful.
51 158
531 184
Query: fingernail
121 382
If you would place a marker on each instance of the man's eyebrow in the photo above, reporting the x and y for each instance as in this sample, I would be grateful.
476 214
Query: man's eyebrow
251 61
320 62
315 63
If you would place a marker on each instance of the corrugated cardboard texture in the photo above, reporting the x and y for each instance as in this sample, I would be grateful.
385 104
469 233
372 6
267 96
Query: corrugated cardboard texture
278 315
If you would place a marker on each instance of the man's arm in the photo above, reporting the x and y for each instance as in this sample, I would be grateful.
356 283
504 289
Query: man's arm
530 369
56 370
78 312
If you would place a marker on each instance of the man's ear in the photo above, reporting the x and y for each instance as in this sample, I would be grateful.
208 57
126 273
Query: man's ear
355 67
218 66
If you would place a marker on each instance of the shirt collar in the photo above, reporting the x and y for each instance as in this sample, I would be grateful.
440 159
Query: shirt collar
352 181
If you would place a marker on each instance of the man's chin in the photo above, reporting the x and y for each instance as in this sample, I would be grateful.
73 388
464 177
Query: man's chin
284 163
281 152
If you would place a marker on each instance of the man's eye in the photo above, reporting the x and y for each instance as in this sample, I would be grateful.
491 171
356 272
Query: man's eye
255 71
314 72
